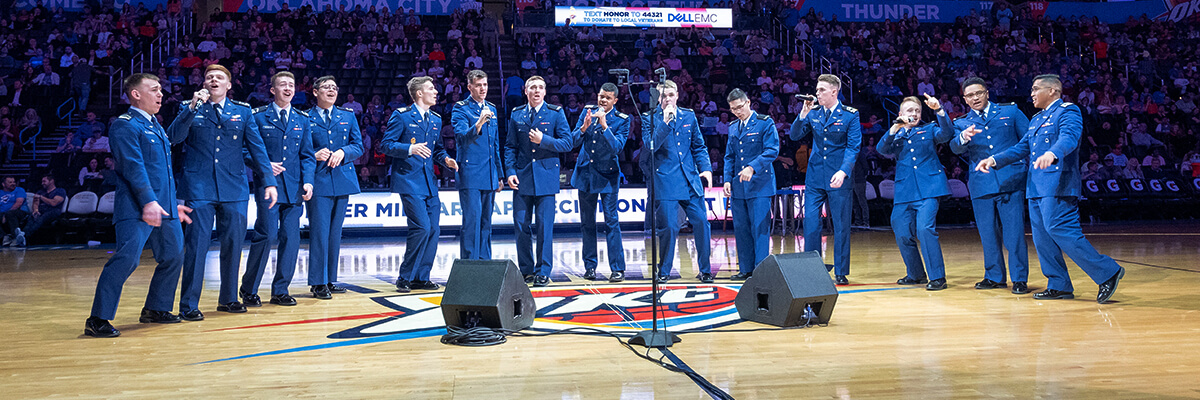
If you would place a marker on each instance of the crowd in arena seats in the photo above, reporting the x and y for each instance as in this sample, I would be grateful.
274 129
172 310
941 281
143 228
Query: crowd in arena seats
1136 82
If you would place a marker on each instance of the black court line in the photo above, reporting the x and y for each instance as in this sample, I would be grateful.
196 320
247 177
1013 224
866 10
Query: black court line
357 289
1157 266
708 387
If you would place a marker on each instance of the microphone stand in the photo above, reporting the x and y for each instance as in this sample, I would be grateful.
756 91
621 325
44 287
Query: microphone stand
653 337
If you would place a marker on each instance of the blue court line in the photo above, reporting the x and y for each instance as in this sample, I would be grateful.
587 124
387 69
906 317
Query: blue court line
355 342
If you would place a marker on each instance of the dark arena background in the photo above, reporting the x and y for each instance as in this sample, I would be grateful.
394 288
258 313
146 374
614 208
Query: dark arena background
1128 67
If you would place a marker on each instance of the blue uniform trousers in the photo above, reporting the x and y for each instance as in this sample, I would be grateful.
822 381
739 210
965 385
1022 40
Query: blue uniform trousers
423 213
165 241
523 211
279 224
612 236
915 223
1000 218
751 230
668 232
1056 230
477 206
231 229
840 202
325 216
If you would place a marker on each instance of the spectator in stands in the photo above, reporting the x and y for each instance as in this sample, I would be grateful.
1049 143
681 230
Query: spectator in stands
98 143
1132 170
12 209
353 105
91 171
1093 160
1093 172
45 208
30 121
1119 159
47 78
18 88
8 139
1190 167
191 61
109 174
1109 170
1156 171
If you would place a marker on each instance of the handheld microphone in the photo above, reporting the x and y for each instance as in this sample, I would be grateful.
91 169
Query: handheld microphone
807 97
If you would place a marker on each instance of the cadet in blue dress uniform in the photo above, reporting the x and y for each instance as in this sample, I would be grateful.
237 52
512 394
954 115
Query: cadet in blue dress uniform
920 183
752 148
537 133
477 140
414 142
672 136
602 132
997 199
837 137
289 145
1052 145
215 130
337 141
144 210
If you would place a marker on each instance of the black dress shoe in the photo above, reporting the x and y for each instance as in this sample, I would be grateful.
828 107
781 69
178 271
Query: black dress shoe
320 292
662 279
936 284
191 315
335 288
96 327
841 280
541 281
589 274
1110 286
251 300
423 285
283 300
1051 294
910 281
403 286
158 317
990 284
529 279
706 277
1020 288
616 276
740 276
232 307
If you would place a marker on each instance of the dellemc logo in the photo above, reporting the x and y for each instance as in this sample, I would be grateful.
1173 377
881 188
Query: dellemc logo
614 309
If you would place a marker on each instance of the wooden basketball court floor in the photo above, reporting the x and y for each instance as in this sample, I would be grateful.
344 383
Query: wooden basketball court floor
884 341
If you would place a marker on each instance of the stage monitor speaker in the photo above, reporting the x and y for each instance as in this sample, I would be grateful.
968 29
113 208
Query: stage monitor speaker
488 293
784 286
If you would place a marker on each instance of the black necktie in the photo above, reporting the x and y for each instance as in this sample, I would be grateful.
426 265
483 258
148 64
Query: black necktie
217 108
283 117
325 113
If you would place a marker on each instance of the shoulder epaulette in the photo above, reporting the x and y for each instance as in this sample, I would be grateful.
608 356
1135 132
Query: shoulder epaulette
521 107
648 113
126 117
687 109
240 103
302 112
345 109
491 104
763 117
463 102
554 107
260 109
435 113
621 115
402 109
960 117
1066 104
1008 104
851 109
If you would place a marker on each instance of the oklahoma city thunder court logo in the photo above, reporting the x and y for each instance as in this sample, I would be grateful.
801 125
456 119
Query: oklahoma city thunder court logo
610 308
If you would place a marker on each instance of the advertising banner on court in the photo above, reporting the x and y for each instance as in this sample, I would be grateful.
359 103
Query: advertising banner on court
641 17
383 210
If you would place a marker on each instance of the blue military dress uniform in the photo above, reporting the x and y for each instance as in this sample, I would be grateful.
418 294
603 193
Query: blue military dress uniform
920 182
537 169
598 177
414 180
752 143
837 136
997 198
213 184
1053 195
287 139
142 152
679 157
334 129
478 176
